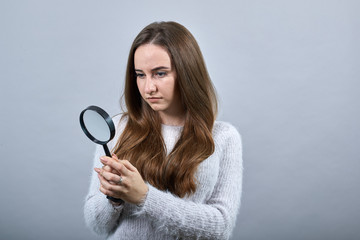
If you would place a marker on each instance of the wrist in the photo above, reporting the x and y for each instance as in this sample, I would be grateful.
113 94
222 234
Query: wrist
143 199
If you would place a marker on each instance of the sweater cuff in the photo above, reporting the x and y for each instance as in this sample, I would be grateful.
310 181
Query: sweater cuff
109 208
153 199
140 208
117 207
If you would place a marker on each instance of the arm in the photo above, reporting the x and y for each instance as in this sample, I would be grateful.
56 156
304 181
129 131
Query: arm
214 219
100 214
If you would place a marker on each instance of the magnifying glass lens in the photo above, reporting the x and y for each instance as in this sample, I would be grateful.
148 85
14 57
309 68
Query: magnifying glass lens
96 125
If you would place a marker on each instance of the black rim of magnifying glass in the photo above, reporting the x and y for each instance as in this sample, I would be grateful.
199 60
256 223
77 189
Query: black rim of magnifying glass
105 116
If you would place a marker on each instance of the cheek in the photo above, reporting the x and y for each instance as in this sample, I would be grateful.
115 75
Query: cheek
172 90
140 87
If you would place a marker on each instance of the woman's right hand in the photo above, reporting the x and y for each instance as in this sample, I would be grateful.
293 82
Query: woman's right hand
120 179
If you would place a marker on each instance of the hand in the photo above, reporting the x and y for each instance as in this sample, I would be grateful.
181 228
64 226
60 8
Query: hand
132 188
109 169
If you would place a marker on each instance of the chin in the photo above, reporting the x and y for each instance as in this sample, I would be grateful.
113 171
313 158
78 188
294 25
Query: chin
156 108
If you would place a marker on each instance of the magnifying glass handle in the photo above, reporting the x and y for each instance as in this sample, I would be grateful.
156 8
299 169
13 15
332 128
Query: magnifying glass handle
106 149
118 200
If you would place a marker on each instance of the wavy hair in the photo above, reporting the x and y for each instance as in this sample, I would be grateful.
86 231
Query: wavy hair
141 141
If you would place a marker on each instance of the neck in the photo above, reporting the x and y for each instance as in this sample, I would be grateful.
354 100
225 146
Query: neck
172 120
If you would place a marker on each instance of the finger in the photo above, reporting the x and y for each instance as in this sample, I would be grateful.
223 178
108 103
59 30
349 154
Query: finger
128 165
104 191
108 192
105 157
105 173
108 168
111 177
102 180
100 175
114 156
109 187
117 165
111 182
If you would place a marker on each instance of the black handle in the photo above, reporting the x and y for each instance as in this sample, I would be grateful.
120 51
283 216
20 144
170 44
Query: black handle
106 149
107 152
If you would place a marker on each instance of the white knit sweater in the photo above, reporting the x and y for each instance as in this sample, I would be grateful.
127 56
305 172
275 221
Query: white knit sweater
209 213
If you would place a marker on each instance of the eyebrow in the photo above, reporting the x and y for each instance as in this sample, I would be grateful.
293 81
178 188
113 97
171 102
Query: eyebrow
154 69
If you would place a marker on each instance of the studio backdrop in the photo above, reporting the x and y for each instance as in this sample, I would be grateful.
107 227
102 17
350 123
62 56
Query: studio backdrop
287 77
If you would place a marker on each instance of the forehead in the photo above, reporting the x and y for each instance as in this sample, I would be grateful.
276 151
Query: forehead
149 56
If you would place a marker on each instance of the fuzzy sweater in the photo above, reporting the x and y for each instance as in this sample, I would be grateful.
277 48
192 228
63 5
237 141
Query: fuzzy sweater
210 213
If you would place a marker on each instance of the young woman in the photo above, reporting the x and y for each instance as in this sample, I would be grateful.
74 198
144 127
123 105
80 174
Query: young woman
177 171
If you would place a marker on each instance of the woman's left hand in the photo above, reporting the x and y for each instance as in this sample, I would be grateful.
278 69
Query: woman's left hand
125 183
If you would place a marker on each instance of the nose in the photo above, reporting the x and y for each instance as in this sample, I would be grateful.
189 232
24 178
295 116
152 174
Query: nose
150 86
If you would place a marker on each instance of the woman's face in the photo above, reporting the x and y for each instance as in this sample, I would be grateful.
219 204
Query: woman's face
156 81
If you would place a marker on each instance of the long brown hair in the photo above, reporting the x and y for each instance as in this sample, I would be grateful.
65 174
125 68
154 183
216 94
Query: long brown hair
141 141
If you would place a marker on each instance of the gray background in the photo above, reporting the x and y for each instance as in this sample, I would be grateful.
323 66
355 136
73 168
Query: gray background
287 75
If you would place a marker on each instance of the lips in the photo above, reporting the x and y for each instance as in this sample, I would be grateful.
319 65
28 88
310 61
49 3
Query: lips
153 99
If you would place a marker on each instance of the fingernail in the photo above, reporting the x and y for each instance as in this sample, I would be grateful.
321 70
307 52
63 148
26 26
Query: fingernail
103 158
97 170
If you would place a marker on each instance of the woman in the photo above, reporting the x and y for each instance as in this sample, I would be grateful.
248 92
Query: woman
177 172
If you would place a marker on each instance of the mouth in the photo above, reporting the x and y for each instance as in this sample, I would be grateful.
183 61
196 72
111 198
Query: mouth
153 99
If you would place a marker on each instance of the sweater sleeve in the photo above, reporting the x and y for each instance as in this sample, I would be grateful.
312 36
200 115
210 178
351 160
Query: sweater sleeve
213 219
100 215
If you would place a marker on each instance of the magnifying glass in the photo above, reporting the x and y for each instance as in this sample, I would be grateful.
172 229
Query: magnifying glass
99 127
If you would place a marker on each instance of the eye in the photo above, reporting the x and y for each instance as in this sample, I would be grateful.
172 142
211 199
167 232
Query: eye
160 74
139 75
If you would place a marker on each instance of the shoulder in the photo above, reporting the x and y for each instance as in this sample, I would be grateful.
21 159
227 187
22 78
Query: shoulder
225 131
226 138
228 144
